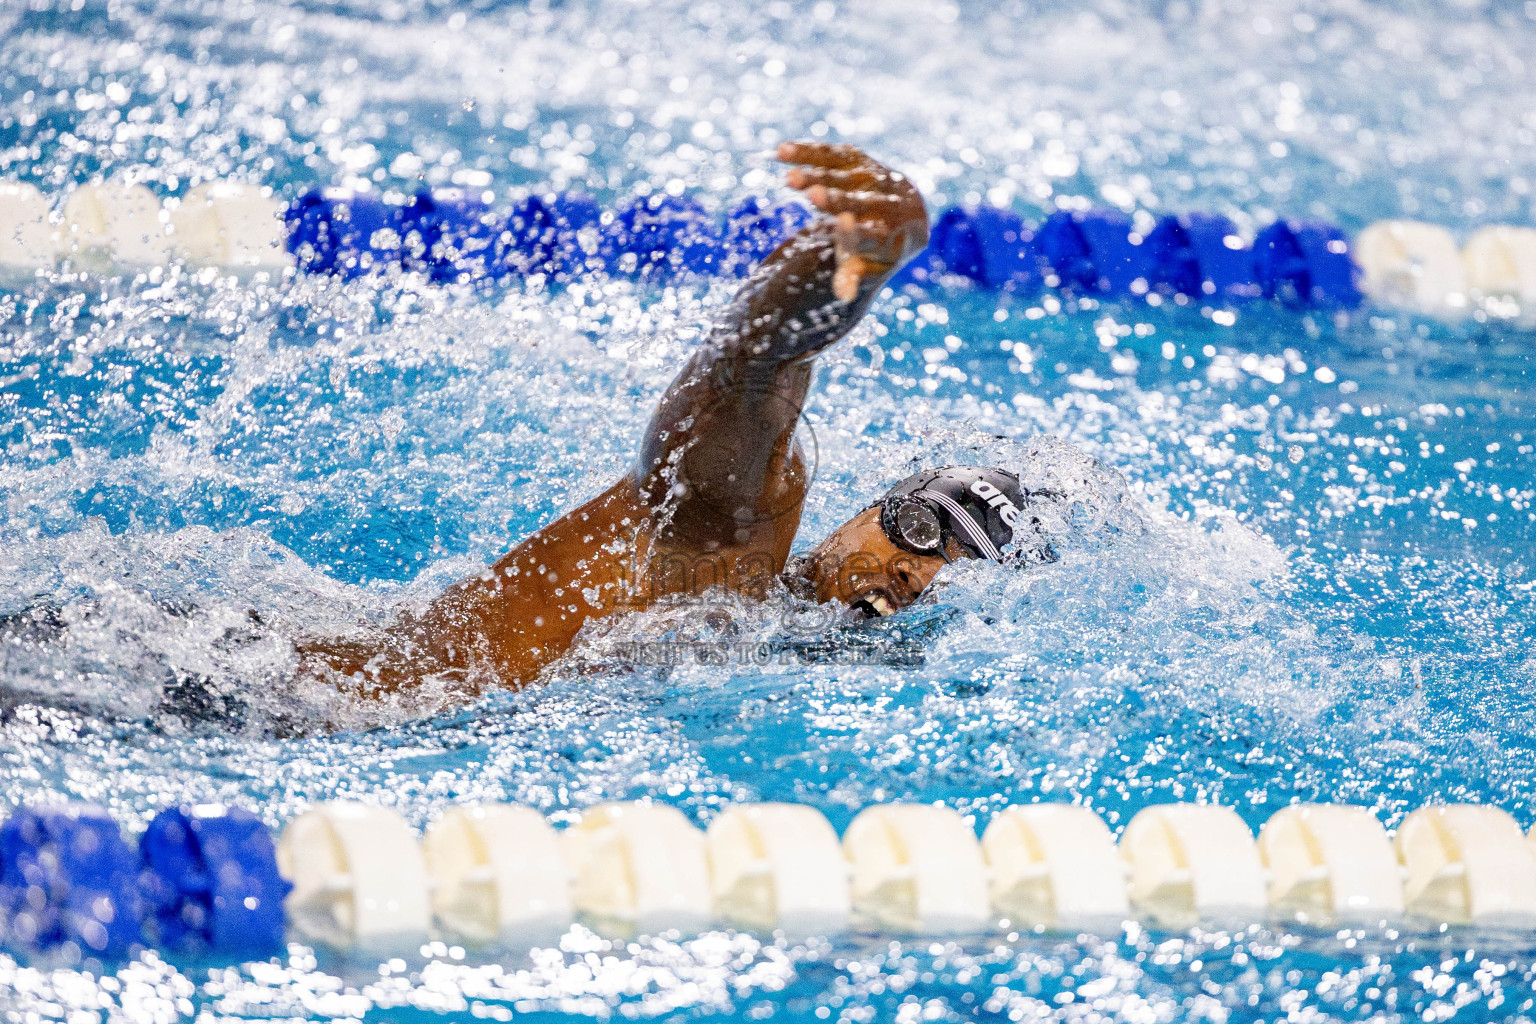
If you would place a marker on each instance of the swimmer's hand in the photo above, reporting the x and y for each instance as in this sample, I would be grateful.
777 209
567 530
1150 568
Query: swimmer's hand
880 220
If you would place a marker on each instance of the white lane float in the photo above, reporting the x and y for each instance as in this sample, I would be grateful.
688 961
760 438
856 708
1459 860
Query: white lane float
498 875
778 866
1192 861
1054 866
358 877
1411 263
28 239
917 869
1467 864
238 227
1331 862
115 222
1501 262
638 868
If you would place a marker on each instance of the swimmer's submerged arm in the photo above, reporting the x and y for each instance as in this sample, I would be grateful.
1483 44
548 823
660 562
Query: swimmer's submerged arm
724 430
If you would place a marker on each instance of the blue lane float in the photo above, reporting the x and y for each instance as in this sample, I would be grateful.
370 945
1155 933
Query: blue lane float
993 247
1097 252
754 228
456 236
1093 252
662 236
449 235
1067 252
1201 254
67 878
1305 263
210 881
554 235
338 231
453 236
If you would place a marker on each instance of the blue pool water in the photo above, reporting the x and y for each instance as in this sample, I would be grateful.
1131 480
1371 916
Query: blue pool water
1301 568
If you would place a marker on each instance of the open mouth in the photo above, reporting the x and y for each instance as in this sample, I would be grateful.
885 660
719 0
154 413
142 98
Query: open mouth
874 605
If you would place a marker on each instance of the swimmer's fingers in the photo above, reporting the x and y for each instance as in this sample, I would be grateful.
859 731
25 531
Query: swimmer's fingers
878 215
862 179
872 239
835 156
882 221
865 205
876 240
870 248
850 273
863 250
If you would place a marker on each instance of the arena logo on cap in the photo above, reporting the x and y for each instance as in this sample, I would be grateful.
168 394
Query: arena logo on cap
996 499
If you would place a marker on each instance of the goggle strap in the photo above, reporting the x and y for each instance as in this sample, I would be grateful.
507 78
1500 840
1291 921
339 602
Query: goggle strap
959 517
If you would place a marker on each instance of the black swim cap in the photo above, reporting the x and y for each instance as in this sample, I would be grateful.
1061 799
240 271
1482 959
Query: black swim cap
975 505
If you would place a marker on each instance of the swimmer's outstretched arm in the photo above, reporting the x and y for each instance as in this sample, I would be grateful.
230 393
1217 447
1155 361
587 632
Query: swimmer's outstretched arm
715 495
718 453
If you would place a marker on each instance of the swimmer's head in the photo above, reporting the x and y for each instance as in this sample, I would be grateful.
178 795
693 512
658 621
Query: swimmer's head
883 558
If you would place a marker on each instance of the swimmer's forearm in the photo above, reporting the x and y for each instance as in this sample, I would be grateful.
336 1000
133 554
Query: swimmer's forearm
732 412
747 383
788 309
734 407
815 287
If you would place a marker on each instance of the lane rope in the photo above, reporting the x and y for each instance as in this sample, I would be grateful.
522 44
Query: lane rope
209 879
461 236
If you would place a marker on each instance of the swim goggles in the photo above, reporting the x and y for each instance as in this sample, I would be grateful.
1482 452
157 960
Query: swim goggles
921 521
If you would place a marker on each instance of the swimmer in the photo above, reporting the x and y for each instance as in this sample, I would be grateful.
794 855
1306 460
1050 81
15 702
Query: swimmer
716 493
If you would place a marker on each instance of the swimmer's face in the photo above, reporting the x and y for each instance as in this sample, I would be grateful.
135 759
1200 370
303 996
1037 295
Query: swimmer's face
859 566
